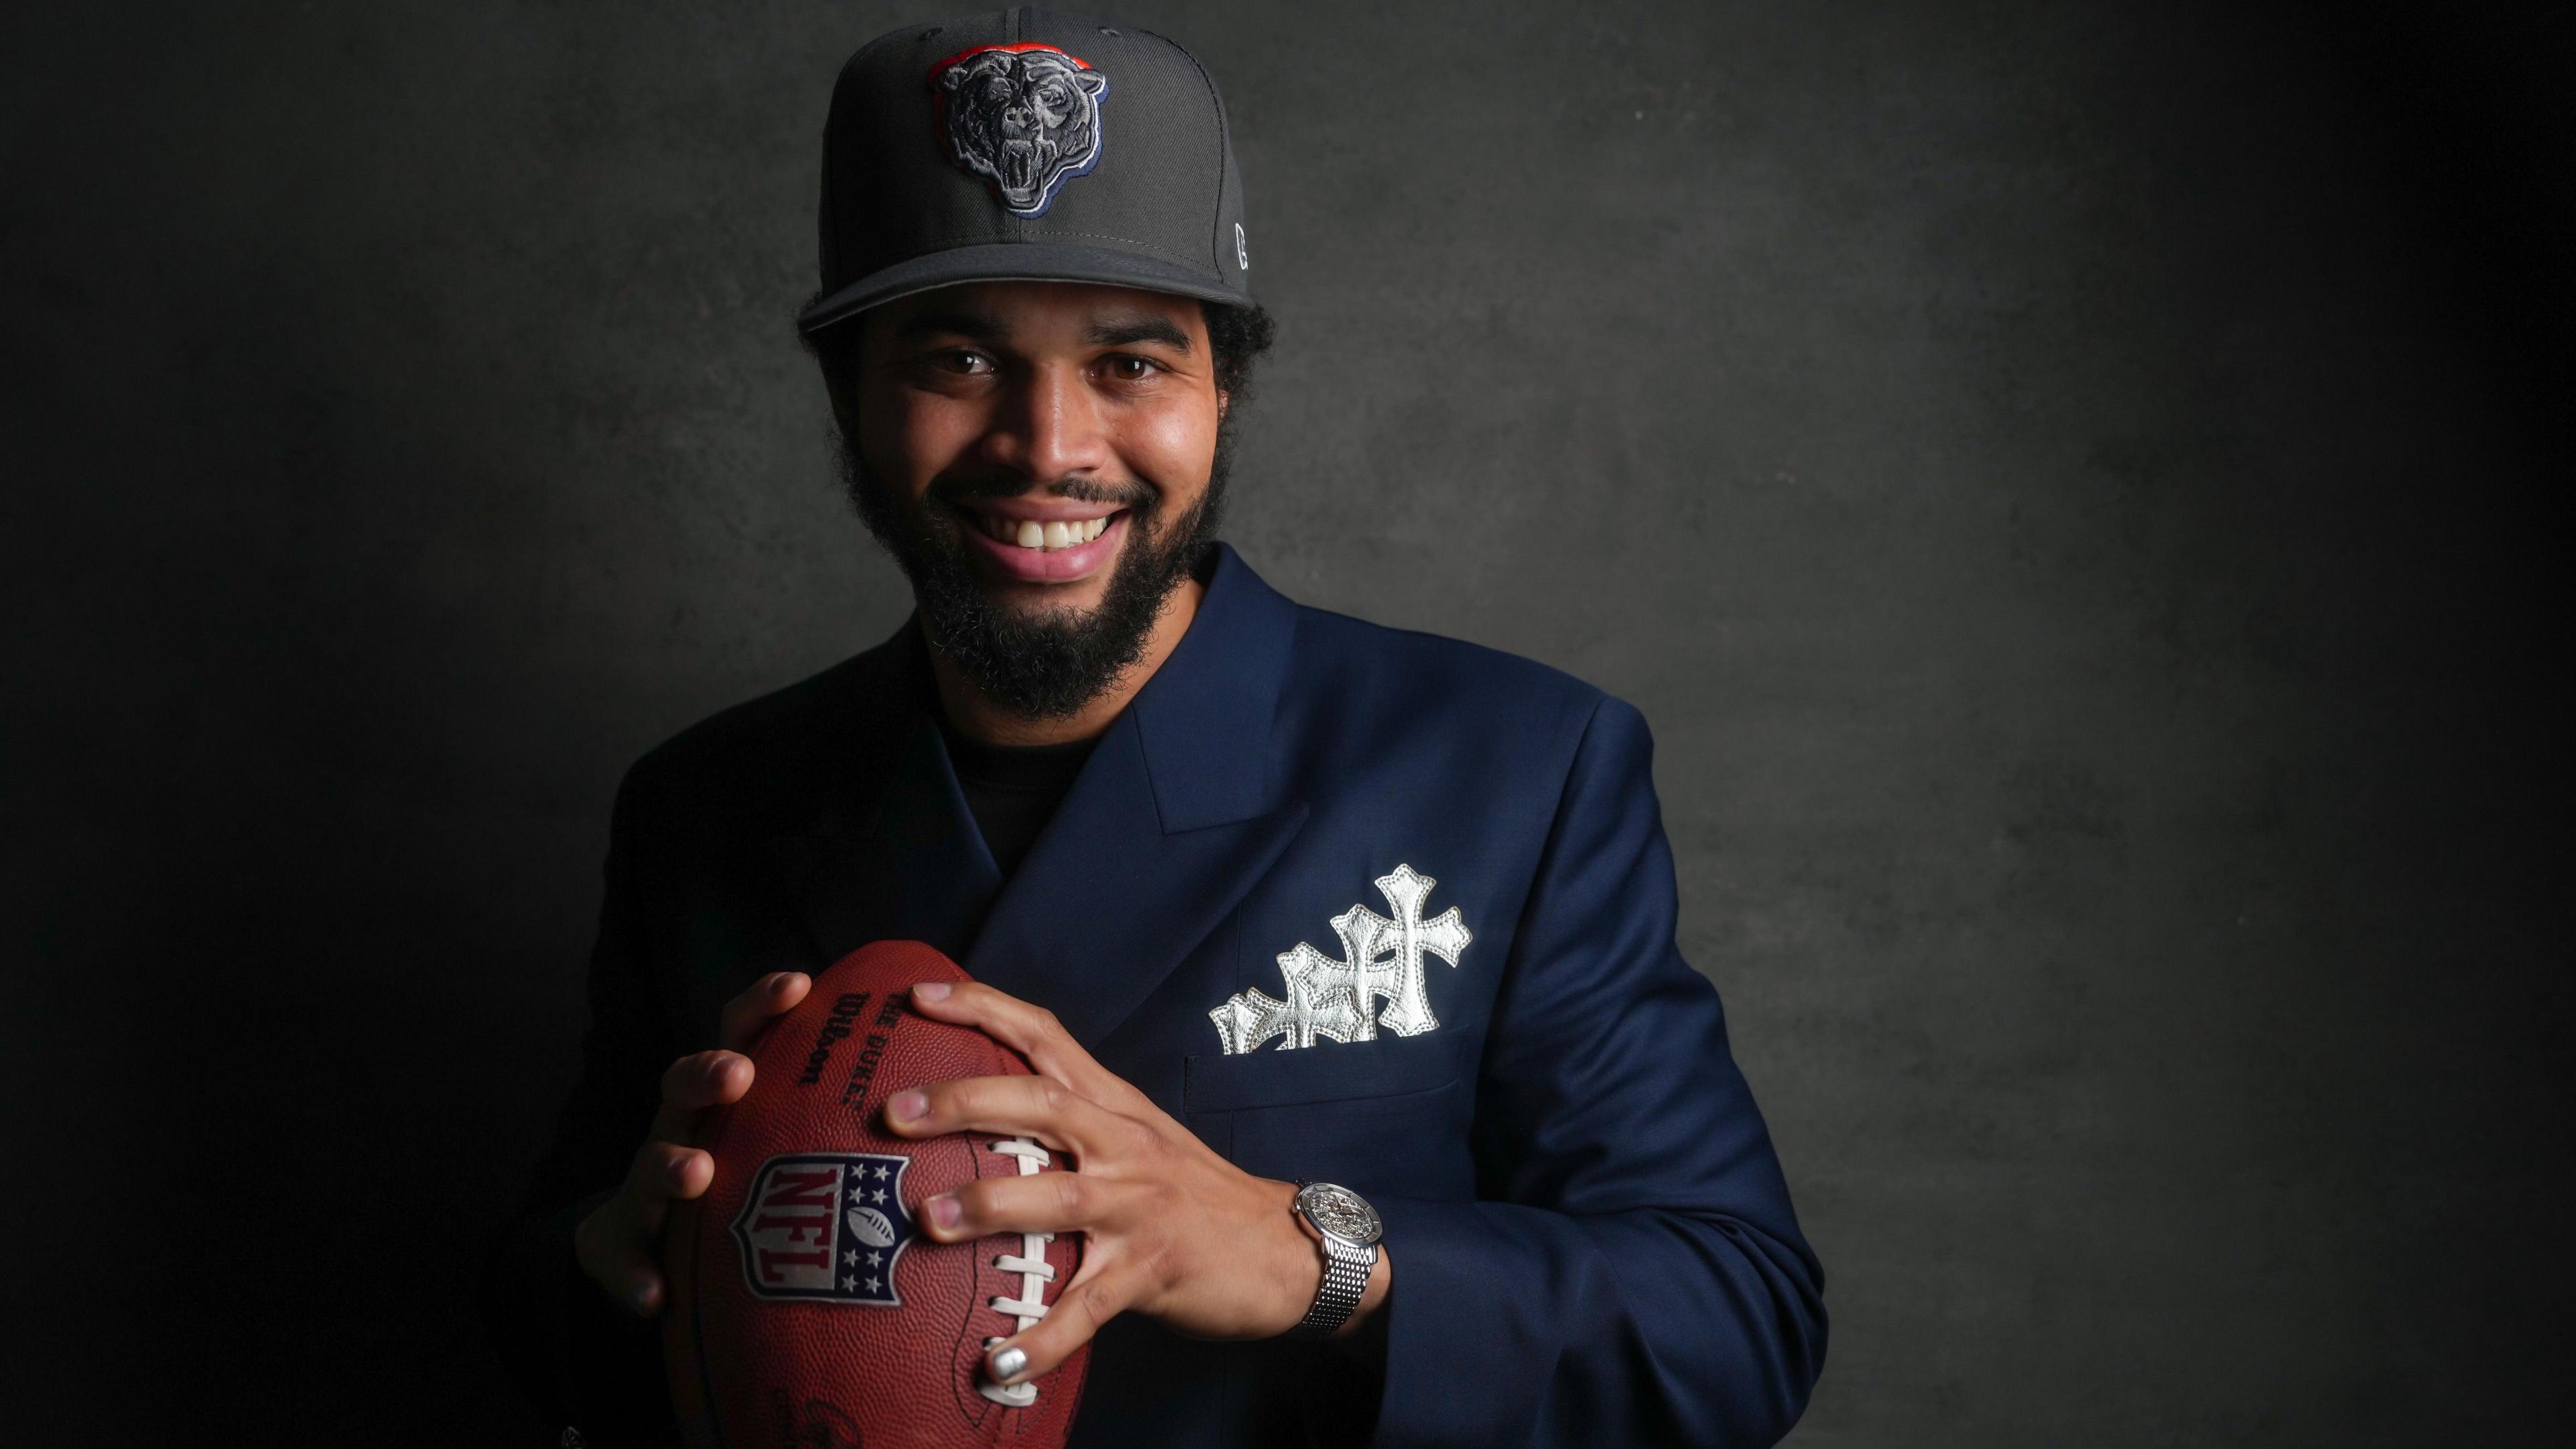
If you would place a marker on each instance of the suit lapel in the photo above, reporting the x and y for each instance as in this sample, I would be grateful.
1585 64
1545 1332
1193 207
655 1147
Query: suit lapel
1108 903
1171 821
896 857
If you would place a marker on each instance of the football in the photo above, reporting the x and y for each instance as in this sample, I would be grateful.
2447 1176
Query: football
807 1307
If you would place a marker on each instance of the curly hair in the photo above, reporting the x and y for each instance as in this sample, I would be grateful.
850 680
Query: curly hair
1237 336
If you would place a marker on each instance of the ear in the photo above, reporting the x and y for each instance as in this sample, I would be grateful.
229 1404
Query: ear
953 77
1224 400
1091 81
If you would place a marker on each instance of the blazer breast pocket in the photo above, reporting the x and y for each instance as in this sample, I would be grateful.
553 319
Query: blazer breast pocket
1390 1066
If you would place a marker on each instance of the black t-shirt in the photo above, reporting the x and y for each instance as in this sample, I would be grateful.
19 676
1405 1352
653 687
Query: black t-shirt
1012 790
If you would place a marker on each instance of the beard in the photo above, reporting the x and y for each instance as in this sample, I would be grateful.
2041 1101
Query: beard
1045 663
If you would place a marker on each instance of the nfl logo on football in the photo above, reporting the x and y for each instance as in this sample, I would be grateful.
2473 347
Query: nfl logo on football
825 1225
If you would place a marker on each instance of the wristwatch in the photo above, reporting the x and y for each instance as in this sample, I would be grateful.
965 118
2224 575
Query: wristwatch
1348 1230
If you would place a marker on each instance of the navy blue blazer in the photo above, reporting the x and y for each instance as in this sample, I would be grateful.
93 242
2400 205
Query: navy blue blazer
1424 884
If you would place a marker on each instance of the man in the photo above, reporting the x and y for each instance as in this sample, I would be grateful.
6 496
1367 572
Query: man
1267 896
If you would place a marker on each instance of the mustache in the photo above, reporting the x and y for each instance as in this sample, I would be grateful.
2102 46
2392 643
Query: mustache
954 489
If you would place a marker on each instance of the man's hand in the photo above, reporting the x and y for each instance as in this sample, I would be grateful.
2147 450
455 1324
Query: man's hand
619 1244
1172 1230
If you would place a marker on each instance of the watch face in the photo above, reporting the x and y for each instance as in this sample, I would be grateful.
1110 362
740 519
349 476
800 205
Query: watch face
1339 1211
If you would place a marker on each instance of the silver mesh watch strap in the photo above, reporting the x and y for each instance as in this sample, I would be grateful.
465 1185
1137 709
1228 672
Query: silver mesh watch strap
1345 1280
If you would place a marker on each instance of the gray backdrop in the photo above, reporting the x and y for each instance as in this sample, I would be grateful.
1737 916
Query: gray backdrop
2060 478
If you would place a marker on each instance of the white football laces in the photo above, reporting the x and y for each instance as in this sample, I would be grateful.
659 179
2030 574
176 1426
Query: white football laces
1035 1273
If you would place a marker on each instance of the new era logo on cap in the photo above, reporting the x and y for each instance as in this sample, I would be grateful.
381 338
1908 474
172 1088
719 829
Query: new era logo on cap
978 149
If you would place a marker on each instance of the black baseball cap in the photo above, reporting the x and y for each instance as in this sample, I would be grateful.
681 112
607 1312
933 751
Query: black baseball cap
1025 145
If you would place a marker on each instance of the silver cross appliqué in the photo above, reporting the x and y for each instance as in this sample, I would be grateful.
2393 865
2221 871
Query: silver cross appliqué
1249 1018
1338 999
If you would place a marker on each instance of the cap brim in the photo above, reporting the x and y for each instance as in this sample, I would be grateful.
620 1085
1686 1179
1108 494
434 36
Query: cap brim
1016 262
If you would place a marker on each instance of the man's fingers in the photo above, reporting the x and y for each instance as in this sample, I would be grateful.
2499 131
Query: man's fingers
614 1252
1090 1301
694 1083
1032 1031
615 1244
1038 1107
662 1173
747 1015
1045 1202
705 1079
634 1284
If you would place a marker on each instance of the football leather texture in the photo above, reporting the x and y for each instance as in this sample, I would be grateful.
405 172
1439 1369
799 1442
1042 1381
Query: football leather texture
807 1305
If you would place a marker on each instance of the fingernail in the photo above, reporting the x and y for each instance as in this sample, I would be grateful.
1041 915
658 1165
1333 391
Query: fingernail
944 1210
931 991
907 1106
778 983
641 1295
1007 1364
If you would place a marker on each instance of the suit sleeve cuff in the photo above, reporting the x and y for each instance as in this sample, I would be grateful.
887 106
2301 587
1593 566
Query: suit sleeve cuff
1470 1341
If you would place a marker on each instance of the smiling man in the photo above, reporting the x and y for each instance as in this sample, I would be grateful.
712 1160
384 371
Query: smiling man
1042 600
1344 956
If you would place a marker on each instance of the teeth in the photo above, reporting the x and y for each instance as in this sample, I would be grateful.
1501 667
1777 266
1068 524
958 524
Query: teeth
1029 533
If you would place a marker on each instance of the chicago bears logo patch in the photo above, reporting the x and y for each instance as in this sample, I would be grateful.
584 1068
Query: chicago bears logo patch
825 1225
1024 117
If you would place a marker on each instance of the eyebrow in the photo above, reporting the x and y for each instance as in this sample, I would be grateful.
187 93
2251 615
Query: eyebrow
1128 330
1115 332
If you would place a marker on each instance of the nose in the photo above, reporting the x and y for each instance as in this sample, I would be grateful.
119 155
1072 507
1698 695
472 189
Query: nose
1051 427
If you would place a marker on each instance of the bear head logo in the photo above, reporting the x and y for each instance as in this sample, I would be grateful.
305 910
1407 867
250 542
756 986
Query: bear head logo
1024 117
